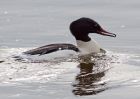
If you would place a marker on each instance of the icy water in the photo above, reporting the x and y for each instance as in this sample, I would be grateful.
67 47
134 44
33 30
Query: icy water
26 24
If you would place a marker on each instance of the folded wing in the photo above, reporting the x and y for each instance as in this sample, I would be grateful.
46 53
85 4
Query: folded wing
51 48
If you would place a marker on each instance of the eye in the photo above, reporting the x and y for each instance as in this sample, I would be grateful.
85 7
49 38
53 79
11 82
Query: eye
96 25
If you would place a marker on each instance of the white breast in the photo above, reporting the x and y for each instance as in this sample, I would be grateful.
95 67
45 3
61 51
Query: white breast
88 47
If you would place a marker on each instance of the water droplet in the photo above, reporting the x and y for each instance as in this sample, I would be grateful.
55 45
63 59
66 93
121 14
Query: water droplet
5 12
123 26
17 40
134 81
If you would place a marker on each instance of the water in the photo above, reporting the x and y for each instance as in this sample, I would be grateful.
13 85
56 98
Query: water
25 24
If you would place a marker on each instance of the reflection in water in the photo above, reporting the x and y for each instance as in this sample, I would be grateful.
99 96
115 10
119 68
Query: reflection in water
89 80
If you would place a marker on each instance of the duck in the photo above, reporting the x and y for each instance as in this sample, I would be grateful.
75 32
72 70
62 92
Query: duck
80 29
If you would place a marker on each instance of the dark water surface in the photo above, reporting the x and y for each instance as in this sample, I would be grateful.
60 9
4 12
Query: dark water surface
25 24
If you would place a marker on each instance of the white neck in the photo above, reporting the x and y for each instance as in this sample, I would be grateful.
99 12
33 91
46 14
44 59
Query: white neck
88 47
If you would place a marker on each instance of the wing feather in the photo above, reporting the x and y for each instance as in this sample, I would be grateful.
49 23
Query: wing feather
51 48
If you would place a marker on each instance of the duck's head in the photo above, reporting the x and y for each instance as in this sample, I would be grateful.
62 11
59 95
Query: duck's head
82 27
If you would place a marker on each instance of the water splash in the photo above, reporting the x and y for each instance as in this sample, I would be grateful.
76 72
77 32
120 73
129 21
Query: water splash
118 69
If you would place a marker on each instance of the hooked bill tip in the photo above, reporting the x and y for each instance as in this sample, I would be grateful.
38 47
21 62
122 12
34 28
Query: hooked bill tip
114 35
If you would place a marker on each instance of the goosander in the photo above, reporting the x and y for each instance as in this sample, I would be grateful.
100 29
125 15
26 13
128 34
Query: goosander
80 29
